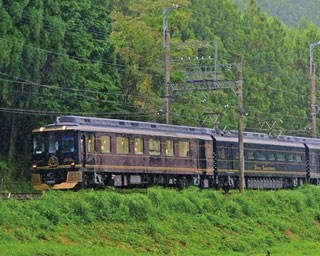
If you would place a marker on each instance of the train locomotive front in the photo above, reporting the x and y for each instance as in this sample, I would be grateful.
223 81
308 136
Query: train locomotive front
56 158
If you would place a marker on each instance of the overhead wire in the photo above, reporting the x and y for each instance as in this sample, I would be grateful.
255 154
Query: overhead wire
46 23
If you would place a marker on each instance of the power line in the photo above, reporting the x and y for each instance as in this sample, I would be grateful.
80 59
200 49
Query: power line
23 81
46 23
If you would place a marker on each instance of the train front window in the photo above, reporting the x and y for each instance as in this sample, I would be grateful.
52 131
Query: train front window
38 144
53 143
68 143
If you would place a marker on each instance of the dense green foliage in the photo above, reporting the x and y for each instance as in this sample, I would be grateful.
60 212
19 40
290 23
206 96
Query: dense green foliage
163 222
291 12
105 58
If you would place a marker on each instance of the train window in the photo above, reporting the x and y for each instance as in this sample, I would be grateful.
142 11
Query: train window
90 143
154 147
138 146
290 158
280 157
271 156
67 143
222 153
169 148
298 158
312 159
250 155
122 145
184 148
53 143
38 144
105 144
261 156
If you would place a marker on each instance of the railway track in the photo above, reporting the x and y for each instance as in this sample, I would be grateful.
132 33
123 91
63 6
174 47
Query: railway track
20 196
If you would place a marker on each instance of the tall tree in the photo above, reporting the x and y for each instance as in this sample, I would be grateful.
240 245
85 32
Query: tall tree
60 60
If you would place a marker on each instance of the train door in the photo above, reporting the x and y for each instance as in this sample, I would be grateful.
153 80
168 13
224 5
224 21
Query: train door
88 149
83 151
230 149
313 163
224 156
202 156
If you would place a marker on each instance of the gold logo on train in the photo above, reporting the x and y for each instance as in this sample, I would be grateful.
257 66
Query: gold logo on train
53 161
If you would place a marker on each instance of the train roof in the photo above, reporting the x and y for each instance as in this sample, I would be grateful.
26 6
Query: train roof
124 126
117 125
95 122
127 124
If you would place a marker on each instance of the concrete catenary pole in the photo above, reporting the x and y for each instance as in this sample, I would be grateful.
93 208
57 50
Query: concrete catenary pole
166 45
240 123
314 100
313 90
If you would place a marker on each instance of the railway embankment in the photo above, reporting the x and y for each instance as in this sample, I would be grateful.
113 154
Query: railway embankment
160 221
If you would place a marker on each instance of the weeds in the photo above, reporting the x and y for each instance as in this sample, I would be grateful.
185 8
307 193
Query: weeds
163 221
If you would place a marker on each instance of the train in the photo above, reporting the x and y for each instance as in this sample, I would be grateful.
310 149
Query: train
78 152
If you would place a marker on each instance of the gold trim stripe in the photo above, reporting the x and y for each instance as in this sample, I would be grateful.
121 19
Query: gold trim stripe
148 168
263 172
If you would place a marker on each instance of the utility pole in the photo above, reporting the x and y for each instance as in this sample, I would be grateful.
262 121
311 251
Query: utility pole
312 46
166 45
313 90
313 100
239 91
167 74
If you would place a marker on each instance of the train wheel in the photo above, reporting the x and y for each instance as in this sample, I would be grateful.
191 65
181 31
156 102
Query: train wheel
226 189
182 183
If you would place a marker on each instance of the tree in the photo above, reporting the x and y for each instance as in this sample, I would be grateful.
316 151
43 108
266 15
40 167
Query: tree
60 60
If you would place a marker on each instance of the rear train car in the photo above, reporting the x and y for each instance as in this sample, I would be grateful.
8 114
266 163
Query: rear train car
270 163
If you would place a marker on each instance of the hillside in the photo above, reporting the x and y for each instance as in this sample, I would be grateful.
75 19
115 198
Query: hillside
292 12
163 222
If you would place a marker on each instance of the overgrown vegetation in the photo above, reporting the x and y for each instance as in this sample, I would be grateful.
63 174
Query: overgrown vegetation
9 182
163 222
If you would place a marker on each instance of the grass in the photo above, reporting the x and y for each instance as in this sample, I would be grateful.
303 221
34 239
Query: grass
163 222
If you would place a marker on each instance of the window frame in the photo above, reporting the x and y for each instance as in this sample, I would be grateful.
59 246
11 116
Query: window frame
105 140
124 142
154 146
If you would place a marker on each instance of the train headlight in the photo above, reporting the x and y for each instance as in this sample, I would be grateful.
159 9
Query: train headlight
72 165
34 166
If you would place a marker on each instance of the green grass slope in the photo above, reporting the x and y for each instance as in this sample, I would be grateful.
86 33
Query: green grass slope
163 222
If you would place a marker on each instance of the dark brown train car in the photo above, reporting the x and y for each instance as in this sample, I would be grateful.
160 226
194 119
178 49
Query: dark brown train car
93 152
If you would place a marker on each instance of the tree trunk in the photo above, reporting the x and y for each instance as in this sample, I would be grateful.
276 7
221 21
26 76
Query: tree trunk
13 137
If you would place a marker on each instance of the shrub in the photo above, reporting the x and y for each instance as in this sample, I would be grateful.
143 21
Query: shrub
139 207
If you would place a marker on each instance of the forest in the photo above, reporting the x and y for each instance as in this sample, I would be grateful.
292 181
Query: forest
105 58
292 12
